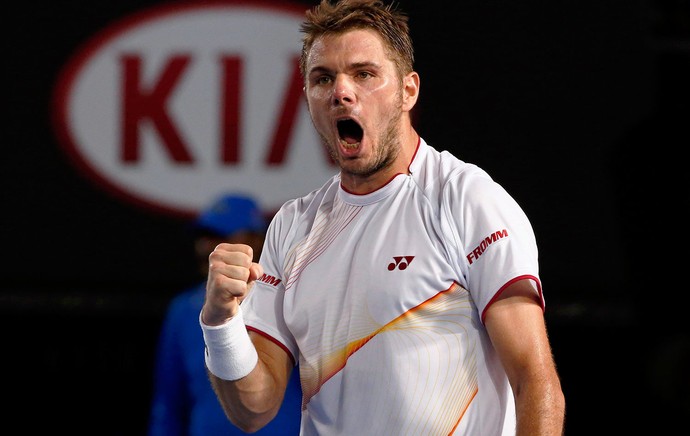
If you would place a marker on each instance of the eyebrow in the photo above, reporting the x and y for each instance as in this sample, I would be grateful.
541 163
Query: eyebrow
353 66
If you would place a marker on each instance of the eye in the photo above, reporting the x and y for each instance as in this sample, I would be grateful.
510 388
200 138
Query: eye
322 80
364 75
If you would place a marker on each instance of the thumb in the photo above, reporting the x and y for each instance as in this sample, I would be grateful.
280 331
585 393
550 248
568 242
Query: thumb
255 271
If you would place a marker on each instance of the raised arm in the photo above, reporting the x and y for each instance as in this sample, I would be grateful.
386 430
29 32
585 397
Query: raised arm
248 372
515 323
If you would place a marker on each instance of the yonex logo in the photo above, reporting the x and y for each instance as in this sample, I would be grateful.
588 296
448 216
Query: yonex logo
400 262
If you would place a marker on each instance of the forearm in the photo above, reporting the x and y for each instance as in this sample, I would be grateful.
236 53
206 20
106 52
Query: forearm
247 376
252 401
540 408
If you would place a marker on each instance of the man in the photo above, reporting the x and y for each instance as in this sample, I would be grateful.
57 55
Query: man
406 287
183 401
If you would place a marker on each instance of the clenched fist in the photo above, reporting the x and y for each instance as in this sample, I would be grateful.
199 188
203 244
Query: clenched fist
231 275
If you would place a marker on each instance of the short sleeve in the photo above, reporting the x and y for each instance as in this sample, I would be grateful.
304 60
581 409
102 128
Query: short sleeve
263 308
495 239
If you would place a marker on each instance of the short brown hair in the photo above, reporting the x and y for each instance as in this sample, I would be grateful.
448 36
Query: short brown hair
344 15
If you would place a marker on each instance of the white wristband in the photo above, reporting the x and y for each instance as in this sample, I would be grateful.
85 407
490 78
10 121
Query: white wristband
230 354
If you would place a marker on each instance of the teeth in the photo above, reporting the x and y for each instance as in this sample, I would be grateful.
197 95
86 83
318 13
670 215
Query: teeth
347 145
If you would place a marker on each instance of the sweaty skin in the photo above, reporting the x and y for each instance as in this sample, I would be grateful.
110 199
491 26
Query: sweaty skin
351 76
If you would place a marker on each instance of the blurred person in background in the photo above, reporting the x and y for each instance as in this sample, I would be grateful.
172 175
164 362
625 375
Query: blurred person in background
183 401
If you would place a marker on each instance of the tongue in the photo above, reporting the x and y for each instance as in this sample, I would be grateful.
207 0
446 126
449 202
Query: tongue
350 139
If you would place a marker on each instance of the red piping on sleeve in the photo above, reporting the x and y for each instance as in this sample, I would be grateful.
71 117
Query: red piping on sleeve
275 341
510 282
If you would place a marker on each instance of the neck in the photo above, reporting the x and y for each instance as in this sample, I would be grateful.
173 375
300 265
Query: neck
358 184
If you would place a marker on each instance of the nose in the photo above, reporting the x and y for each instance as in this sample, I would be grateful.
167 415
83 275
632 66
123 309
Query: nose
343 92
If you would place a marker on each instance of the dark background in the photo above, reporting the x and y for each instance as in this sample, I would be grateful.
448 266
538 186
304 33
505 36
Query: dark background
579 108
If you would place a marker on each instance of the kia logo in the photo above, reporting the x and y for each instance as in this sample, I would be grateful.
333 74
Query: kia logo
171 106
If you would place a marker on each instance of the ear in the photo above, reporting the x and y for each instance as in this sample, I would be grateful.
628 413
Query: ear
410 90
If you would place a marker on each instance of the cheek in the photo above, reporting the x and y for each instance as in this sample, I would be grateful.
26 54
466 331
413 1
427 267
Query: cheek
383 87
317 95
319 114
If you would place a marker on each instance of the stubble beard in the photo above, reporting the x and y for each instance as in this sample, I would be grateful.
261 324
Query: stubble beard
385 153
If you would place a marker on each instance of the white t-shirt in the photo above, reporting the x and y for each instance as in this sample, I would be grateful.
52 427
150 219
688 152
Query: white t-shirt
380 298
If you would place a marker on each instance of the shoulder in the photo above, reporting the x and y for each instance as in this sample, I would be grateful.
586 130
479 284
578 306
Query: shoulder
297 209
430 164
441 174
295 216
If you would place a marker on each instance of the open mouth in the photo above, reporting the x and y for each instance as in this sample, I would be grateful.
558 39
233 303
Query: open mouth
350 132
